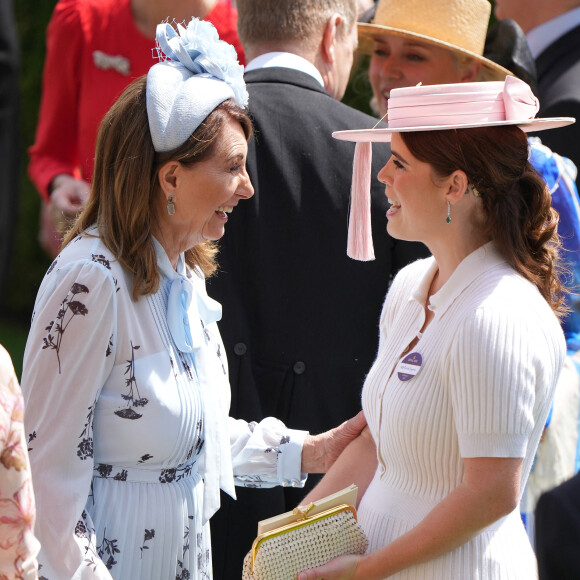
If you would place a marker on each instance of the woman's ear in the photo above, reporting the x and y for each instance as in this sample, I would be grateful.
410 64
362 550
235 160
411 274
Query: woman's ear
457 186
168 177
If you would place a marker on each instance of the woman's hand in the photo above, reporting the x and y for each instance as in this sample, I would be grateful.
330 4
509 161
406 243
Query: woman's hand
342 568
321 451
69 196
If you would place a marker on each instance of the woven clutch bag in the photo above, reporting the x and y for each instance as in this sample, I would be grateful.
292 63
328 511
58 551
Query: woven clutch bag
312 541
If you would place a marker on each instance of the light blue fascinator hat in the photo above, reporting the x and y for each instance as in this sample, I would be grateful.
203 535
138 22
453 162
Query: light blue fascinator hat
197 71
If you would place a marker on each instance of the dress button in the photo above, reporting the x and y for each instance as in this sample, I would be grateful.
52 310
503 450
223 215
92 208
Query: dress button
295 483
299 367
240 348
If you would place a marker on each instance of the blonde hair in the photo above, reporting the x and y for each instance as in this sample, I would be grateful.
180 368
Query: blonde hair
126 185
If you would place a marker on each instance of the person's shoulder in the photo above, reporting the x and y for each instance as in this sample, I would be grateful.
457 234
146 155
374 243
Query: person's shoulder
502 287
411 273
87 250
506 299
6 367
563 86
347 117
288 84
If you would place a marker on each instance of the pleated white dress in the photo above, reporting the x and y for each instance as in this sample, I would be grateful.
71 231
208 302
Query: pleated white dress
127 422
490 360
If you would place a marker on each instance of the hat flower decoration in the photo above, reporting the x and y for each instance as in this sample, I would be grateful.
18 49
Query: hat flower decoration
196 72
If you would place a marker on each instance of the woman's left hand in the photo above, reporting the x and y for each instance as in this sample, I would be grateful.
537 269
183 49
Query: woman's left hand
319 452
342 568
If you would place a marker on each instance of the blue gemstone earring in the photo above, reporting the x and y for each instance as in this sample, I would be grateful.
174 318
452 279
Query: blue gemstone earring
448 220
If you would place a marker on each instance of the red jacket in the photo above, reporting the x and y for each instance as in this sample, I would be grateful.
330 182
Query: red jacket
81 81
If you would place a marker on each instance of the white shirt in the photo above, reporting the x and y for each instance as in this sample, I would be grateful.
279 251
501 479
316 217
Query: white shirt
286 60
542 36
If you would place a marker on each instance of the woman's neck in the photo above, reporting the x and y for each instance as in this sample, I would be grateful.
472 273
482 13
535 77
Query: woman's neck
449 258
147 14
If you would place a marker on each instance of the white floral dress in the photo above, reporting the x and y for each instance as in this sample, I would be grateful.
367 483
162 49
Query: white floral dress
127 421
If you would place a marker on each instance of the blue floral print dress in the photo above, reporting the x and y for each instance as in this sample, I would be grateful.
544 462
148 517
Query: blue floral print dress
127 422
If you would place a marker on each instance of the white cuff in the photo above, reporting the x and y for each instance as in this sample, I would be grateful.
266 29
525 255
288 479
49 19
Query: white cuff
290 460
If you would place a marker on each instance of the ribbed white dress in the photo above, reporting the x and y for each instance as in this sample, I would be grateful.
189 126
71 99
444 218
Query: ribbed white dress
490 361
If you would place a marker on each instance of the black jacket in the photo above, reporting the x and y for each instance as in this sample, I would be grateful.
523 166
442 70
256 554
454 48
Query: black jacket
558 68
300 318
557 525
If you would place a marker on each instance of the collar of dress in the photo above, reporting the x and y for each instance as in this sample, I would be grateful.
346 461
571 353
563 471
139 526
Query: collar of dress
471 267
189 308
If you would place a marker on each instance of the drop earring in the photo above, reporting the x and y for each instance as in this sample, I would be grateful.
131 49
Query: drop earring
170 206
448 220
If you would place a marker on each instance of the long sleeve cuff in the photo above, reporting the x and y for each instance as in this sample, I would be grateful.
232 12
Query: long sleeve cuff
290 460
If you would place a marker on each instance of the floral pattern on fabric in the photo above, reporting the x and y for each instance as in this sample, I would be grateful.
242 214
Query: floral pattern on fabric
69 308
18 547
125 433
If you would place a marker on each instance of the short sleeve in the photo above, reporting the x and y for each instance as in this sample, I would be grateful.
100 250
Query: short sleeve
492 378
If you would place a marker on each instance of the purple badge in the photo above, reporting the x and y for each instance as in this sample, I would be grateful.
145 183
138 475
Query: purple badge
409 366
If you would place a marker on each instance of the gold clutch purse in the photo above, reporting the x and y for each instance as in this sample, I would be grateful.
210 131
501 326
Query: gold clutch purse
305 538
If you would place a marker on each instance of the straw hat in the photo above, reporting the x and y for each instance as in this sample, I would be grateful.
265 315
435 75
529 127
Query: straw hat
458 25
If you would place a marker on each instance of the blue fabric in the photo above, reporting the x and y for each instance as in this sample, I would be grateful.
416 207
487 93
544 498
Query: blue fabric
577 463
560 174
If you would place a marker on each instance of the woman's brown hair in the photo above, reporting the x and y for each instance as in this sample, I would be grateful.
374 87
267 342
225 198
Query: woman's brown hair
125 184
516 202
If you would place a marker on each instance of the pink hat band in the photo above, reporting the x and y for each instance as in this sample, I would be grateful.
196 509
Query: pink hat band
459 104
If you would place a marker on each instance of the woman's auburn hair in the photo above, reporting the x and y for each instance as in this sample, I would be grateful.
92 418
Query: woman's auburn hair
125 185
516 202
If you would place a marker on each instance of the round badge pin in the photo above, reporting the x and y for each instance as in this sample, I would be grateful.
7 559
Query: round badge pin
409 366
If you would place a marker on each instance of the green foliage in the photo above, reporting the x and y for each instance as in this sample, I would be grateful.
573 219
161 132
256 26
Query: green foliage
29 261
359 93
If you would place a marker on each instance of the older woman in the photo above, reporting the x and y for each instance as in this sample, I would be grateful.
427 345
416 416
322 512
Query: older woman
470 344
125 376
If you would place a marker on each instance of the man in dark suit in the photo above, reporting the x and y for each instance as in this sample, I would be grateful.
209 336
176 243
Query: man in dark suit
553 33
558 532
300 320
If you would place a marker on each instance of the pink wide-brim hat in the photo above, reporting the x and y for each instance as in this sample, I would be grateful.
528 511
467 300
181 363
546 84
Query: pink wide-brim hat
459 106
436 108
